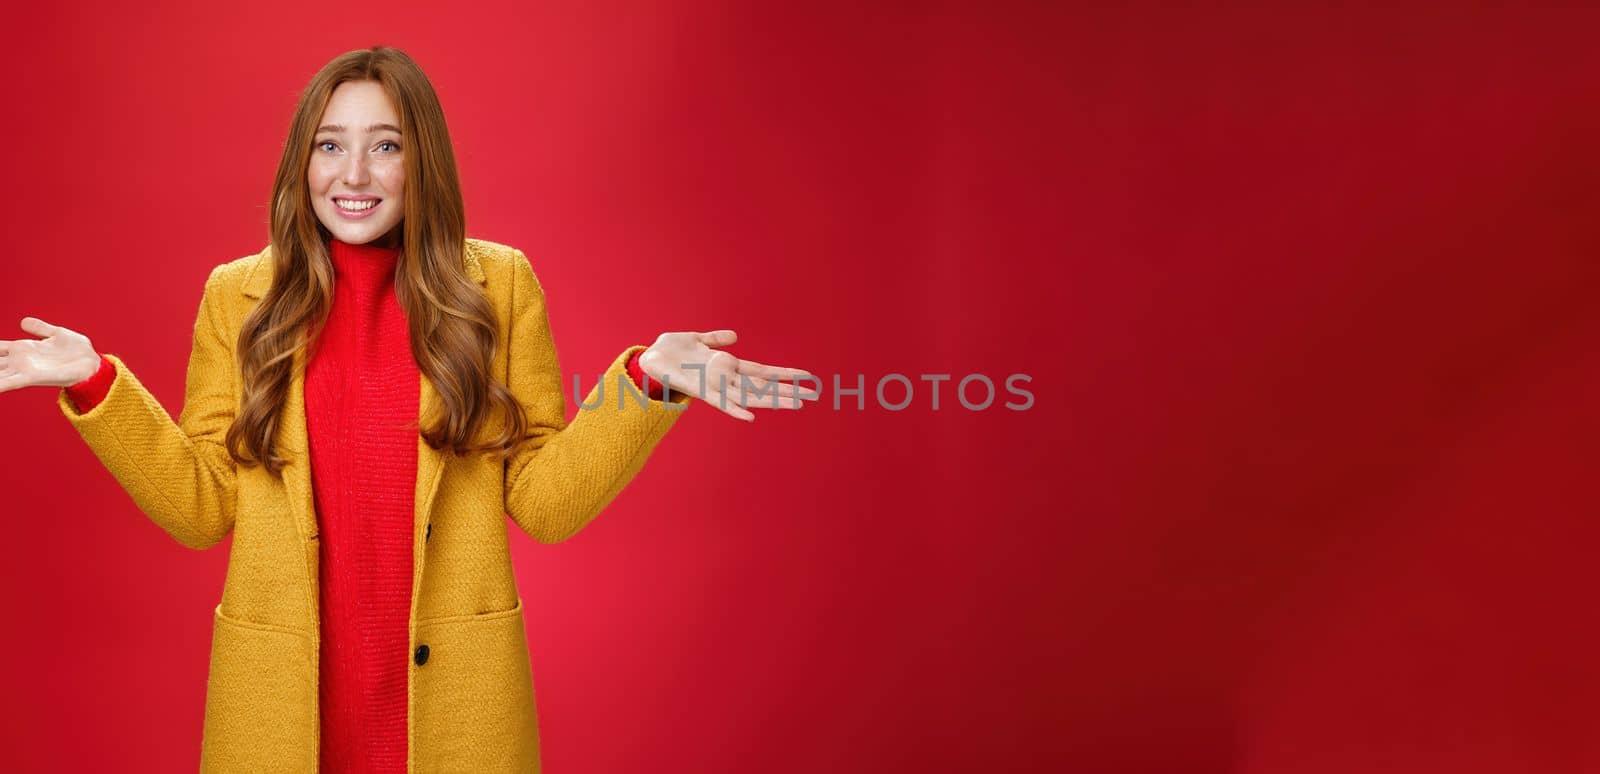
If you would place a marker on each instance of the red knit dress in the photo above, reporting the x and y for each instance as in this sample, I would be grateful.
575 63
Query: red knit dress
361 391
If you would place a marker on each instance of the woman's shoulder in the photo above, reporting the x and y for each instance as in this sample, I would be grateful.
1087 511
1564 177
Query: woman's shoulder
243 274
493 254
498 265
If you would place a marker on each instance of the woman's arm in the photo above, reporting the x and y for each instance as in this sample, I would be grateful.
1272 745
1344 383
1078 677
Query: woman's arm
565 474
179 473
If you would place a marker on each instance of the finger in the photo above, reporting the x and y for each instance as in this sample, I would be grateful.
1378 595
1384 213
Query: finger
729 390
747 394
786 390
727 395
764 390
753 368
5 347
728 404
11 382
717 338
38 327
780 403
788 381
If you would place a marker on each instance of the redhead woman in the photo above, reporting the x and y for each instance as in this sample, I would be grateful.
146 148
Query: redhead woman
367 398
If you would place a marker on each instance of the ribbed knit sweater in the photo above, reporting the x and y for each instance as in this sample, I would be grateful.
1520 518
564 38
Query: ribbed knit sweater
361 397
362 393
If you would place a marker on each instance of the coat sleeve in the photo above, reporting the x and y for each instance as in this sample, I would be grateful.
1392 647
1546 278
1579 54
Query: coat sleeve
562 476
179 473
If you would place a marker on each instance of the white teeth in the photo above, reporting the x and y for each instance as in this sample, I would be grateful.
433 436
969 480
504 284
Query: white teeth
346 204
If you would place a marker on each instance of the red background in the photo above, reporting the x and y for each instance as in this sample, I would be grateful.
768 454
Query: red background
1305 296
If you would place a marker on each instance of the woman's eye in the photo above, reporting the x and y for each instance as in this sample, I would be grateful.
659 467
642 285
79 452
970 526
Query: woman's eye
325 143
389 143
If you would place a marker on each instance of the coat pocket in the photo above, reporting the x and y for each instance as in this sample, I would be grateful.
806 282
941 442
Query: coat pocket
261 699
473 707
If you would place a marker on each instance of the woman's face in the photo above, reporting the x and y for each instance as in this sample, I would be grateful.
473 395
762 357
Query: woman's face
357 175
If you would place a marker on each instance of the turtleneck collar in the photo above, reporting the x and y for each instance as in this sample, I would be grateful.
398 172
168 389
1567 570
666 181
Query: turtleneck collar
367 269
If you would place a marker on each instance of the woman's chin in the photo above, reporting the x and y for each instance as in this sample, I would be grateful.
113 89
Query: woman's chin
357 235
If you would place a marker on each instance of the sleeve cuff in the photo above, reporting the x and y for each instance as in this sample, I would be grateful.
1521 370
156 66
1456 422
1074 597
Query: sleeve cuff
639 378
88 393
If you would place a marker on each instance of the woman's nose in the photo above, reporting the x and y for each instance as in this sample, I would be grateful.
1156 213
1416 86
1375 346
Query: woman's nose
355 170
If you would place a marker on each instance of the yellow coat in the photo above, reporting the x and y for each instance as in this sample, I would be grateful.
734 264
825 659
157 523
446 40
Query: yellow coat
471 703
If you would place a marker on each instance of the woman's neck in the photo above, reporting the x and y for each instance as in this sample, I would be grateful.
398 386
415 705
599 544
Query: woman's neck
365 269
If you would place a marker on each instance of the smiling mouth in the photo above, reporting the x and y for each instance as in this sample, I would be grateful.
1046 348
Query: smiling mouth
355 205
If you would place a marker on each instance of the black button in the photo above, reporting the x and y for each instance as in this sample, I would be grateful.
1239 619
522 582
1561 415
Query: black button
422 655
429 533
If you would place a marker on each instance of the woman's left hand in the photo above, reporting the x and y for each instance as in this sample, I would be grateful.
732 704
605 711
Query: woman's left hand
687 363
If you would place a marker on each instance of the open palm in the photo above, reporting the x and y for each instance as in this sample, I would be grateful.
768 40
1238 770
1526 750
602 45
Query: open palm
688 363
62 357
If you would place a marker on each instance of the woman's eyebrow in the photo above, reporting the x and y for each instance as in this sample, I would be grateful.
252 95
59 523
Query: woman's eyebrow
373 128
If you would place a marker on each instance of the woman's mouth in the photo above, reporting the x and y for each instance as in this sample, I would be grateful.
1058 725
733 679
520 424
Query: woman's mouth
355 209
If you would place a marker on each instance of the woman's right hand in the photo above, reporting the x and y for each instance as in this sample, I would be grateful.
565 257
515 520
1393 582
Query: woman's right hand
61 358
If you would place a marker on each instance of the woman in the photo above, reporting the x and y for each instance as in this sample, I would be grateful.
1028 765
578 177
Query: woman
370 381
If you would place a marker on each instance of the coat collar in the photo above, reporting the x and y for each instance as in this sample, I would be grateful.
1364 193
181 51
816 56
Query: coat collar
292 439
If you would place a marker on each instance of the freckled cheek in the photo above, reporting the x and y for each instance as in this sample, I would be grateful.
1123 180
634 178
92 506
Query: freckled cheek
393 178
318 178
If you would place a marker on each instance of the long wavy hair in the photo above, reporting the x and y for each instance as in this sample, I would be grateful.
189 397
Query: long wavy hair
451 322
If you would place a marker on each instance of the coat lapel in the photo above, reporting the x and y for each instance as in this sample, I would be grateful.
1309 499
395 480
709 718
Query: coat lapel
292 440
